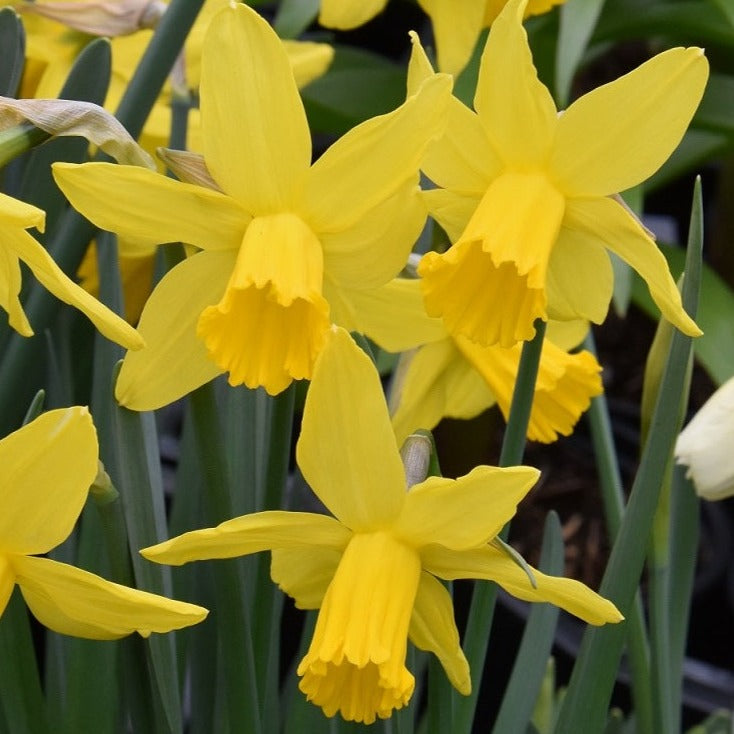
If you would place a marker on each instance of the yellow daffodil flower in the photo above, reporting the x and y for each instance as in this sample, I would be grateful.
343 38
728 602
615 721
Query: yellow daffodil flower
19 245
457 25
346 14
371 568
252 303
48 467
526 192
452 377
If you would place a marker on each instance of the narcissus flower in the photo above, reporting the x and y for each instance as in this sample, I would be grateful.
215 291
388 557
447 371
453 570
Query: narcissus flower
254 303
705 445
17 245
457 25
48 467
371 568
526 192
452 377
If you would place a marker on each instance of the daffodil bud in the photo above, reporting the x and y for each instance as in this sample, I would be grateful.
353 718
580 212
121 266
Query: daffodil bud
416 457
705 445
100 18
188 167
102 488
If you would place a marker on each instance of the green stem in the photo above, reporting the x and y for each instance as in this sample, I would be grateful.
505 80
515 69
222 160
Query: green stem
268 608
481 611
18 140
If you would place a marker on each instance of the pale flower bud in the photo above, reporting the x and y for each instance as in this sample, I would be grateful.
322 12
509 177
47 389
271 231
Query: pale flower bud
101 17
706 445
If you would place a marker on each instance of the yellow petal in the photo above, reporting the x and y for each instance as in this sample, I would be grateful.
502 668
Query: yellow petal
437 383
392 316
10 283
356 661
48 467
580 279
494 565
347 450
271 322
376 247
432 628
465 512
151 208
490 286
257 143
456 28
174 361
7 582
534 7
251 534
309 60
451 210
515 108
373 160
75 602
563 390
16 213
52 278
619 134
304 573
346 14
605 220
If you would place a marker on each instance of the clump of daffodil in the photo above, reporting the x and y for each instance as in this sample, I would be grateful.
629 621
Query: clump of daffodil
18 245
255 301
48 468
457 25
372 568
445 376
526 192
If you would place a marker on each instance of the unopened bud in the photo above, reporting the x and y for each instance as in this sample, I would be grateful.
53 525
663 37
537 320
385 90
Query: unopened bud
705 445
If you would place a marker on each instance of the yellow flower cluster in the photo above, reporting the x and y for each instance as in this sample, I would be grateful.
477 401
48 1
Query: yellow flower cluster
287 256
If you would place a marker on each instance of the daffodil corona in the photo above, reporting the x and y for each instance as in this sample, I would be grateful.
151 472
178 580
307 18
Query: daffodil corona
526 193
254 301
48 467
371 568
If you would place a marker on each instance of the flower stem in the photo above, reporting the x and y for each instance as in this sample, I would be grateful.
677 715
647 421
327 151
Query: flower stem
476 637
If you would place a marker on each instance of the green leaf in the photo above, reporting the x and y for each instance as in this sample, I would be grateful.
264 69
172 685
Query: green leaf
578 20
717 723
294 16
21 698
358 85
715 349
12 42
587 699
726 8
529 668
